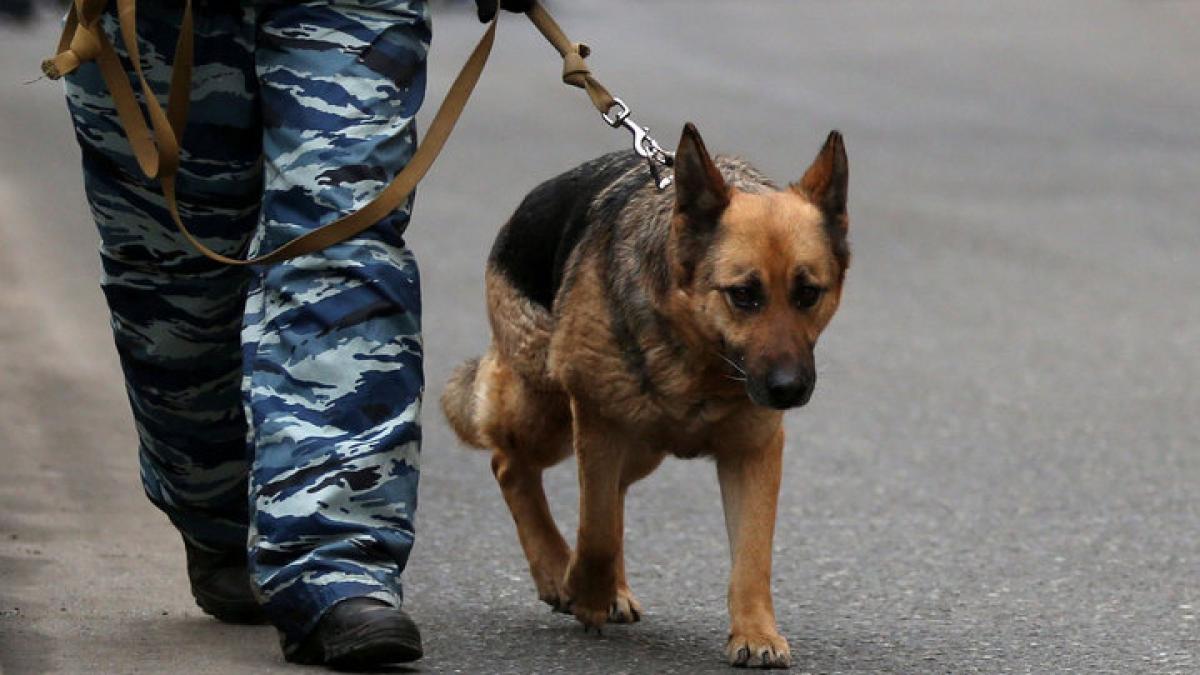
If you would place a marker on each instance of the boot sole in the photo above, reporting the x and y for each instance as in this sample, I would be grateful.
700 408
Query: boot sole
374 645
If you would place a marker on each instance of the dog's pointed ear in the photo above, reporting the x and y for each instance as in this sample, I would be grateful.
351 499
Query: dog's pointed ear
826 182
700 191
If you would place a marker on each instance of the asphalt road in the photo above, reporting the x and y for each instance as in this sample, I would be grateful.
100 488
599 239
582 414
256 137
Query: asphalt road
1000 471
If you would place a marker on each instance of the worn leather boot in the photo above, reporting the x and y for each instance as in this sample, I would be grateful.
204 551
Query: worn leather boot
221 585
361 633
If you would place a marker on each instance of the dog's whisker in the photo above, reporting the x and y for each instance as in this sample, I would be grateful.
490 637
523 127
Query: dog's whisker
731 362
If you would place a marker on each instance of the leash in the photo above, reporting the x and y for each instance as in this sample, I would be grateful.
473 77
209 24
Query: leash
576 73
156 145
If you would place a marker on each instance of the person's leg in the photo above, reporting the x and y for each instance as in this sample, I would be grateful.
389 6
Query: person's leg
176 316
331 343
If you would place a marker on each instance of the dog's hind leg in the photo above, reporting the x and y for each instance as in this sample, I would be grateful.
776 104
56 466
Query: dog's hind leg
528 430
544 546
750 480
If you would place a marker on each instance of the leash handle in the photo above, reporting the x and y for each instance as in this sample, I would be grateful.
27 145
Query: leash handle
156 145
157 151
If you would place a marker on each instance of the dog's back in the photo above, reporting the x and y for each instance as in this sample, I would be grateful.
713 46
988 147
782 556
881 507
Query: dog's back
532 249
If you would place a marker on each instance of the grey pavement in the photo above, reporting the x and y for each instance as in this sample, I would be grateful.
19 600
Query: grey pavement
1000 471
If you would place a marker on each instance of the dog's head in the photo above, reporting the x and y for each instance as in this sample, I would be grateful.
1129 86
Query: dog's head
762 271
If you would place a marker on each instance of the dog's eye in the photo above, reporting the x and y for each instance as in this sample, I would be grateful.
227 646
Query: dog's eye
807 296
747 298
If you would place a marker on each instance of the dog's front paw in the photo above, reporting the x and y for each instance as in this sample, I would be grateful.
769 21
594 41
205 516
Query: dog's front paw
590 617
624 609
758 650
591 591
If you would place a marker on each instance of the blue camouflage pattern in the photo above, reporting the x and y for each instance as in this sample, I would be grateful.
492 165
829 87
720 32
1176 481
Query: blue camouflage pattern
277 407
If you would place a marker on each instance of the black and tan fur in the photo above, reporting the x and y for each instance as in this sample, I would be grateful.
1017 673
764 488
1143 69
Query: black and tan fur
629 324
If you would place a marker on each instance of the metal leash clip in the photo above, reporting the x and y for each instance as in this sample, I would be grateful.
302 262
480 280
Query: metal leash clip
643 144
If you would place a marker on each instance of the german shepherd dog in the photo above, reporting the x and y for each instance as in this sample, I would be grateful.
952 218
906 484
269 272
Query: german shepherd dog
629 324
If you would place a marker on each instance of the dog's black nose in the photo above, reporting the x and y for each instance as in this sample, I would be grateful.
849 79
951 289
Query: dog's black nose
788 387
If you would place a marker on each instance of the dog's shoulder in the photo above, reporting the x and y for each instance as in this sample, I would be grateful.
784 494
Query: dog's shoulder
532 249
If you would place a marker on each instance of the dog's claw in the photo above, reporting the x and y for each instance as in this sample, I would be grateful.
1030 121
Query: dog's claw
625 608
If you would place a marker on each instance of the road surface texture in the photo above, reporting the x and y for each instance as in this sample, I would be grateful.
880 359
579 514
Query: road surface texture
1000 471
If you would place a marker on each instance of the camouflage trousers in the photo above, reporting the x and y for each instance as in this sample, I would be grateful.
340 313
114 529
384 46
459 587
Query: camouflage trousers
277 407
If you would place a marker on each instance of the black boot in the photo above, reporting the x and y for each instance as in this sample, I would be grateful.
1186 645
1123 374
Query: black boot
361 633
221 585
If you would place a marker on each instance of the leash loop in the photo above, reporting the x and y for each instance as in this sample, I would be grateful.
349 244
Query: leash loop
618 119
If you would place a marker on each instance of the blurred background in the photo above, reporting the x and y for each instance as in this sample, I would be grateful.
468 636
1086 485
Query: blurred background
999 471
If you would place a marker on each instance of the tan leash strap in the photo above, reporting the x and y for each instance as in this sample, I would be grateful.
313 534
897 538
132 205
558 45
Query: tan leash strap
159 156
157 151
392 196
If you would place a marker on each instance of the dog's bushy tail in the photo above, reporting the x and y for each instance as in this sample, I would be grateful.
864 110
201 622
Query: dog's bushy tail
459 403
